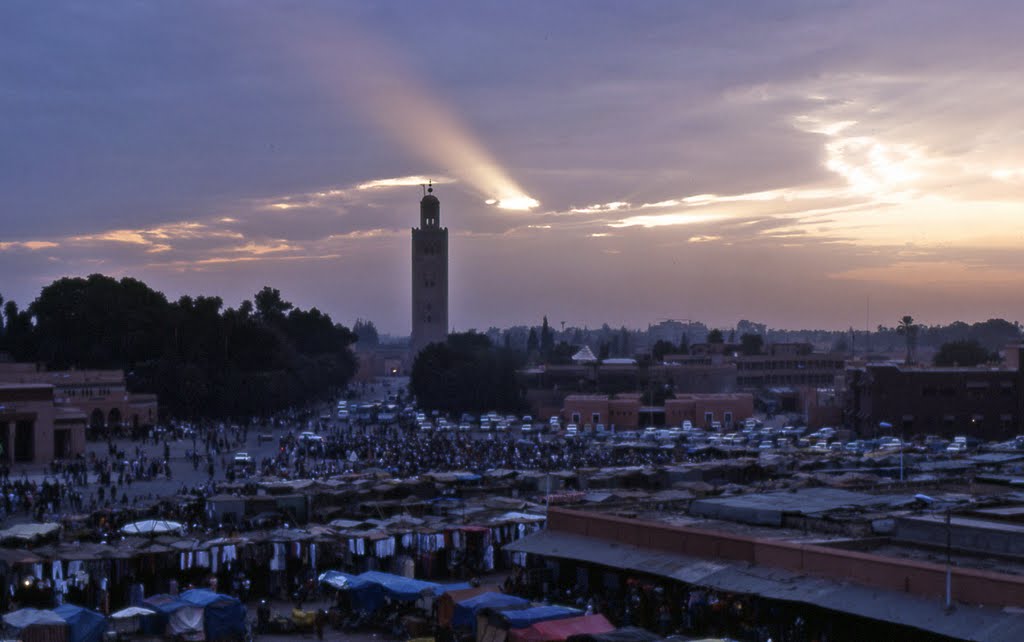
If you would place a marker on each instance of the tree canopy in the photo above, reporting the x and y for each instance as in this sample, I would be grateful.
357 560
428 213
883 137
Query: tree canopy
201 359
466 373
751 344
962 353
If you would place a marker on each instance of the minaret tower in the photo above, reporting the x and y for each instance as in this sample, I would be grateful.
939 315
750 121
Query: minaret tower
429 275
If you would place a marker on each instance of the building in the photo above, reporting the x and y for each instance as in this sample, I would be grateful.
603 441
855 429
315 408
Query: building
627 412
704 409
788 377
34 429
101 395
833 588
429 276
981 402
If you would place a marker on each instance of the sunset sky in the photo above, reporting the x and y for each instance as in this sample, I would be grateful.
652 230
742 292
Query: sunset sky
596 161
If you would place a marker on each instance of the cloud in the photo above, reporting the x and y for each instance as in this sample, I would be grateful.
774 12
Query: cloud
661 220
27 245
836 149
403 181
601 207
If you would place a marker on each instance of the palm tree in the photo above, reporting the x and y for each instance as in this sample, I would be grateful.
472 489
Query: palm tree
908 329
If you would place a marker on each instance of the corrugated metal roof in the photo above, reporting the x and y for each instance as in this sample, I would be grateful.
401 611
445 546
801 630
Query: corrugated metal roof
964 622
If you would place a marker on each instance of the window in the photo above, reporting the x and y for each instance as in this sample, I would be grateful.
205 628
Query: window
595 418
728 419
709 417
575 418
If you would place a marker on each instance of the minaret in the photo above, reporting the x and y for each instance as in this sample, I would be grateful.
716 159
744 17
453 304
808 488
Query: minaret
429 276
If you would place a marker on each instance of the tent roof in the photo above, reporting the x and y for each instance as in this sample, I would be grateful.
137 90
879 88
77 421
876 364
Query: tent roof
397 586
562 629
522 618
204 597
585 355
622 634
465 611
132 611
28 617
86 625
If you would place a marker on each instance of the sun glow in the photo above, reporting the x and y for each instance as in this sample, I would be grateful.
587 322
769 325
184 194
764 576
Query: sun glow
405 109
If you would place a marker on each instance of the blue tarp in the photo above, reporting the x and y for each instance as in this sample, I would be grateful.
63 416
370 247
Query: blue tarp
86 625
369 589
465 611
522 618
397 587
224 616
24 618
163 603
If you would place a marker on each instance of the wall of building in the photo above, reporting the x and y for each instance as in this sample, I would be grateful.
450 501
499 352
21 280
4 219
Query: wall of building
586 409
895 574
33 429
980 402
964 534
101 395
695 407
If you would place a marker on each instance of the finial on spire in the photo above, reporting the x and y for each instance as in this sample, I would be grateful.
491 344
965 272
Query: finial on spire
430 186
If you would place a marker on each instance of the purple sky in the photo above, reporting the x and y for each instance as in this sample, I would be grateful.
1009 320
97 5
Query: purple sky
777 161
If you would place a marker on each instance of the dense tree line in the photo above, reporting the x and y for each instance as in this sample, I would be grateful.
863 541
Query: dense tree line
201 359
467 373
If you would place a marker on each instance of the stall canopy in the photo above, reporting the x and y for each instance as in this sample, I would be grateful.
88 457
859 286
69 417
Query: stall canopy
465 611
522 618
558 630
134 619
152 527
224 616
446 602
24 618
85 625
369 590
624 634
398 587
337 579
175 617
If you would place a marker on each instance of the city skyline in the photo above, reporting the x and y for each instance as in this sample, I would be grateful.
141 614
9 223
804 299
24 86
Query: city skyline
596 162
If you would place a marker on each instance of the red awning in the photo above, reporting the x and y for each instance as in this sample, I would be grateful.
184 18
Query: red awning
558 630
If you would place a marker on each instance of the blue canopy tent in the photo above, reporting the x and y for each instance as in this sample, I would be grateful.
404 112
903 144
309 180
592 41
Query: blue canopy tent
85 625
465 611
398 587
522 618
370 589
224 616
35 625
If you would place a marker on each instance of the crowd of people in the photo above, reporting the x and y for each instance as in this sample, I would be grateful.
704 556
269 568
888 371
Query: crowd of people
407 451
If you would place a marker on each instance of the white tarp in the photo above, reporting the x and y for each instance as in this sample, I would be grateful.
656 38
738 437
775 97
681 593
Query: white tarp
28 532
188 623
129 620
152 527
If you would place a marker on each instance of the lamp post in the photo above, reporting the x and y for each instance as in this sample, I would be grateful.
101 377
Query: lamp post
949 561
